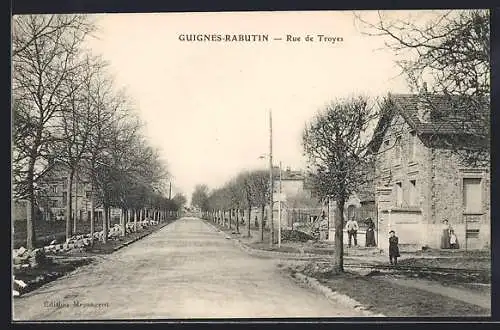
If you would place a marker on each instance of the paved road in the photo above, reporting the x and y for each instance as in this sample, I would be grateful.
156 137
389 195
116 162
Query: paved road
185 270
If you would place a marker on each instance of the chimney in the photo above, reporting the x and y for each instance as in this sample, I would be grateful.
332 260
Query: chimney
423 107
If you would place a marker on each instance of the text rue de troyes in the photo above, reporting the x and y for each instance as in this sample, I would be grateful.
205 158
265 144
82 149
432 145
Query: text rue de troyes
312 38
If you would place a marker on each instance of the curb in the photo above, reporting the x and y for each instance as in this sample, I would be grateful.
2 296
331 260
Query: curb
92 258
263 253
139 237
272 254
335 296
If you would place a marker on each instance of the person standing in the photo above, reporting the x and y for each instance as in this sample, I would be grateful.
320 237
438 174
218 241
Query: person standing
445 235
393 248
370 233
352 231
453 240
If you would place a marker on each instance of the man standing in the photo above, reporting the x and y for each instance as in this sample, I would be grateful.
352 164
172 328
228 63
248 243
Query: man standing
352 231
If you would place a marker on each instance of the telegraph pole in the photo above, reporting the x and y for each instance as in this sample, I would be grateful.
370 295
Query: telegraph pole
279 213
271 179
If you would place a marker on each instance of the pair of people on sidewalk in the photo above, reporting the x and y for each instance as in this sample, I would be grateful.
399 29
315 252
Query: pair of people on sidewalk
352 231
448 237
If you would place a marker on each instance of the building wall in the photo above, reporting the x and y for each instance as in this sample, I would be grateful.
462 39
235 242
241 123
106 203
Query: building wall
439 194
289 187
448 200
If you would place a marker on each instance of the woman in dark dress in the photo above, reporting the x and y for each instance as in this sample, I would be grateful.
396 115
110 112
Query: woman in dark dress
445 235
370 233
393 248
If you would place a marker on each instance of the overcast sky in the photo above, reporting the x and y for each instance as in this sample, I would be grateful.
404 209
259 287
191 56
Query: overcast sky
206 104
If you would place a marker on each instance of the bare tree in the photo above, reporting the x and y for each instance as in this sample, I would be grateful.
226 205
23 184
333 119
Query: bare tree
98 163
74 126
44 51
236 194
336 145
260 186
248 194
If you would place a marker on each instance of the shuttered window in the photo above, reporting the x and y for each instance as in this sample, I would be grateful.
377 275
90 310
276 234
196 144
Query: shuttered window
472 196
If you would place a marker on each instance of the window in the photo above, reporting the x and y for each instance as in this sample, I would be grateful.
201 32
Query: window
53 203
472 196
399 194
53 189
88 194
472 233
413 146
413 193
64 184
65 198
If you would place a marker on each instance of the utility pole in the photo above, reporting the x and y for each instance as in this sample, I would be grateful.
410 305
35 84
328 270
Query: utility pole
271 179
279 213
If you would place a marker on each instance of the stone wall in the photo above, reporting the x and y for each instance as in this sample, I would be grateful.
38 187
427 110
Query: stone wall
439 191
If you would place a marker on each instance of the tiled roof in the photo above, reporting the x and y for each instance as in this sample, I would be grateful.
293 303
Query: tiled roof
445 114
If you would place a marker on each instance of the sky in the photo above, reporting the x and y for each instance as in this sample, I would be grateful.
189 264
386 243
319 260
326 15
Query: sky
206 104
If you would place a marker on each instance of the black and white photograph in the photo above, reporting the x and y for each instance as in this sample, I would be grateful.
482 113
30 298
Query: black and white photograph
250 165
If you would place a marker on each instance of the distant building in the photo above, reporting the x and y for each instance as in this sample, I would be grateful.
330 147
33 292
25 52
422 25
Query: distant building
420 181
292 182
53 195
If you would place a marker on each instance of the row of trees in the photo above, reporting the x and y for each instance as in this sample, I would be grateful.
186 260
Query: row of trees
245 191
67 110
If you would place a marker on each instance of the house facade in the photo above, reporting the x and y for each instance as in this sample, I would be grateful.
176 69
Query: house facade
53 195
420 180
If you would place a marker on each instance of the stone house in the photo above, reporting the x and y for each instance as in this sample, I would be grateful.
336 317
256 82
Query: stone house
421 179
53 195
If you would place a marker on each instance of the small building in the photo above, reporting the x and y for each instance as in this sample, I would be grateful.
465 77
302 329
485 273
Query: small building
53 195
421 178
299 203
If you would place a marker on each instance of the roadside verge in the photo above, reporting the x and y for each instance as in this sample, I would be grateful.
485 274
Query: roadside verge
57 265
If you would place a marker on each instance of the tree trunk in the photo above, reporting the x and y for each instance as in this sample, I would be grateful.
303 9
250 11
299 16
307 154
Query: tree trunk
75 217
69 198
29 218
338 261
105 222
249 220
230 217
262 209
92 218
238 221
135 221
123 222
